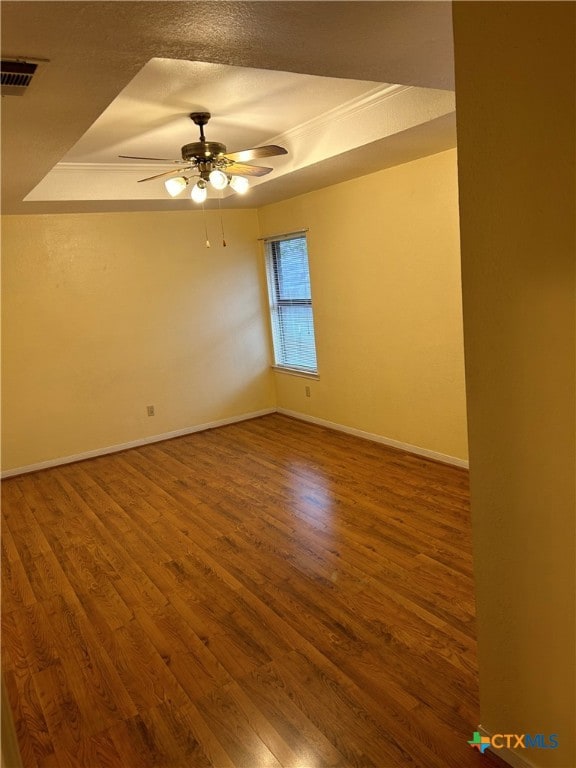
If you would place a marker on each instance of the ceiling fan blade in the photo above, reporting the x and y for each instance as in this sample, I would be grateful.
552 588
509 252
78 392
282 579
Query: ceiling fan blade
240 169
244 155
162 159
166 173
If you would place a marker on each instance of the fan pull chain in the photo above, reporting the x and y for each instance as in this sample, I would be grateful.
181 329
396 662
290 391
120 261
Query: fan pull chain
205 226
221 222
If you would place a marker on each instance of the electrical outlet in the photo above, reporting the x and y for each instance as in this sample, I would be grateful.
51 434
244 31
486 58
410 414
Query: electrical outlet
150 410
307 390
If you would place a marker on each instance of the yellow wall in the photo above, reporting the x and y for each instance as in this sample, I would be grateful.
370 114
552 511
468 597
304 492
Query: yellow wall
385 272
104 314
515 86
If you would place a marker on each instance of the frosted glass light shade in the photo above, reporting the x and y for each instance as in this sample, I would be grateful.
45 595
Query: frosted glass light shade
239 184
175 185
218 179
199 192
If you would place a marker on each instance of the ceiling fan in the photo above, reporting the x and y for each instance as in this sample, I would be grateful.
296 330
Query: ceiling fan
209 161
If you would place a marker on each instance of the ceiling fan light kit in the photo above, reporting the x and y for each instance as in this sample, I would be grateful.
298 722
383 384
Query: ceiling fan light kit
199 192
176 185
239 184
209 161
218 179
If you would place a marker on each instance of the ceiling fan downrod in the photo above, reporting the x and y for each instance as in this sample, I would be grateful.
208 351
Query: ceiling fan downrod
202 149
200 119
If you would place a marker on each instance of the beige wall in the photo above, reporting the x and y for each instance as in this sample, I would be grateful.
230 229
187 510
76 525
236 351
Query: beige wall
104 314
385 271
515 86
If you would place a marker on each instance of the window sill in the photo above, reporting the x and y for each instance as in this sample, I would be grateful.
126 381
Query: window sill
295 372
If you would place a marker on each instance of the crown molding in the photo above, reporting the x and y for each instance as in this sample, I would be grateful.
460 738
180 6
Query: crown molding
118 167
342 112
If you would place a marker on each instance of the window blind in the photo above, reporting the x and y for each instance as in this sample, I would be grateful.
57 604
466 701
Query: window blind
291 303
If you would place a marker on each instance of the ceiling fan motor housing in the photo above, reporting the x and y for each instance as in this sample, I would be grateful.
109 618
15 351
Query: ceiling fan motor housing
203 151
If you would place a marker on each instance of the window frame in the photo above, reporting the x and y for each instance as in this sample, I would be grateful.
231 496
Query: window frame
276 302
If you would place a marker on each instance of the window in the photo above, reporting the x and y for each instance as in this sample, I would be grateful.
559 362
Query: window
291 303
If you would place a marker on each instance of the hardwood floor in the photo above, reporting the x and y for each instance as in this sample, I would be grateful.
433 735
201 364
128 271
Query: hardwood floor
266 594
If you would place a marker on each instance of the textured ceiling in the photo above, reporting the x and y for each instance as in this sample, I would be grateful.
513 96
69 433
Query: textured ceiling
95 49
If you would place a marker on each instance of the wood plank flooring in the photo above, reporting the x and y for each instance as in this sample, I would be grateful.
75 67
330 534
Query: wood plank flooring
267 594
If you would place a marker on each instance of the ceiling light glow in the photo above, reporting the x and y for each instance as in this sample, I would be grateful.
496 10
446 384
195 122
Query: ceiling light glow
218 179
176 185
199 192
239 184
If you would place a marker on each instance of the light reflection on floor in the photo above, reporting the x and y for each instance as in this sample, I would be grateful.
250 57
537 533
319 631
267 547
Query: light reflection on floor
316 513
312 496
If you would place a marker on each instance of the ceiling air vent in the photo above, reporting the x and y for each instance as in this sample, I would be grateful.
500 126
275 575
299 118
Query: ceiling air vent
16 77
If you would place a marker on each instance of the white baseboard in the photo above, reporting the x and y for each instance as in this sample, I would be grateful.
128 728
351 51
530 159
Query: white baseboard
444 458
232 420
508 755
133 443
